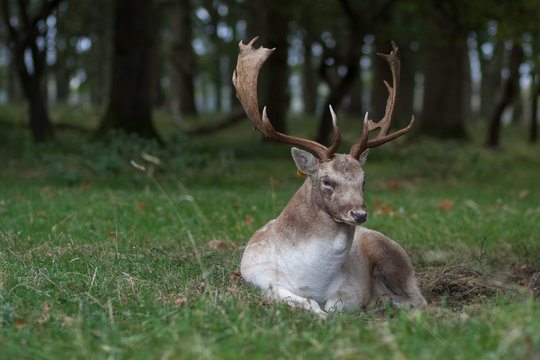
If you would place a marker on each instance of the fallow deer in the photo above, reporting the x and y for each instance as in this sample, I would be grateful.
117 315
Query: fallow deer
315 252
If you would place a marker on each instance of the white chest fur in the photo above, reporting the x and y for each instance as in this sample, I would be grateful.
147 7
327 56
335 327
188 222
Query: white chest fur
313 268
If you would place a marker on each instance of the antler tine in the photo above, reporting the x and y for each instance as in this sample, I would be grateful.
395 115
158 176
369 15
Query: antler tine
359 147
250 61
337 135
384 124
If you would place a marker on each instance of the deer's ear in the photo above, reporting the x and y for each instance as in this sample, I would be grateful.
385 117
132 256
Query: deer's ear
363 157
305 162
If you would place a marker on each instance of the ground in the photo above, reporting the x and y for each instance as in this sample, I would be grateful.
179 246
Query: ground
102 258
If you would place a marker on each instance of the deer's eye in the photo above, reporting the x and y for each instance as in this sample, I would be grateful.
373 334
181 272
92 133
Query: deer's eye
327 184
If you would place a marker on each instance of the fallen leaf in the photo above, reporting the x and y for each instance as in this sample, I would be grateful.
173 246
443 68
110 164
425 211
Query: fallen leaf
220 244
394 185
377 206
86 185
249 220
178 300
235 276
385 208
217 244
141 206
523 193
445 205
20 323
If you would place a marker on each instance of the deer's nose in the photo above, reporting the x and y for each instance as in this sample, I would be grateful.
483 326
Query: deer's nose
359 216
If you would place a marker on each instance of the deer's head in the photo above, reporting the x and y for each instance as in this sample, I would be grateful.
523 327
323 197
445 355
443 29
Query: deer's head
337 185
337 180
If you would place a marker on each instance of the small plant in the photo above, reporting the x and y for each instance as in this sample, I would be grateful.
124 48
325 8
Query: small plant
112 154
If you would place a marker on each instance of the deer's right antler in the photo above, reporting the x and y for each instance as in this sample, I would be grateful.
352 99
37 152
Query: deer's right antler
250 61
384 124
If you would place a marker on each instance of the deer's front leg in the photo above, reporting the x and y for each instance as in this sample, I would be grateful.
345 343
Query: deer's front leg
295 301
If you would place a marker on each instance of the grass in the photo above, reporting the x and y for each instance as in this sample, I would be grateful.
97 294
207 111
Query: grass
99 260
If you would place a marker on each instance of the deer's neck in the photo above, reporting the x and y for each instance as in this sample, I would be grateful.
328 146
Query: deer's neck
304 220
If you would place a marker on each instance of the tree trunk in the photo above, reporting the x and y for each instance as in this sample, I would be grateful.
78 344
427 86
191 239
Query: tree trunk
101 52
535 92
337 94
60 69
215 71
40 124
23 44
508 94
14 90
467 88
158 95
443 109
159 99
133 54
351 60
183 57
61 76
491 78
405 103
309 80
356 105
517 104
34 89
276 76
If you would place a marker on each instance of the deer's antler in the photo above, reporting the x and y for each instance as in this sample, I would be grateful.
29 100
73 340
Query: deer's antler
250 61
384 124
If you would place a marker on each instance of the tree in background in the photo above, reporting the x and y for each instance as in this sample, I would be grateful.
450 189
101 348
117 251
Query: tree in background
344 59
515 19
509 93
100 21
270 21
491 56
309 76
446 67
134 47
183 57
27 40
328 49
533 134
